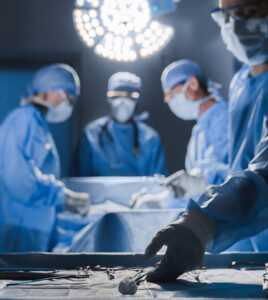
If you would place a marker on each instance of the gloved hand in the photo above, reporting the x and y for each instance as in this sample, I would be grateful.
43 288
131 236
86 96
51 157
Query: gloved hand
185 185
186 240
136 196
143 199
76 202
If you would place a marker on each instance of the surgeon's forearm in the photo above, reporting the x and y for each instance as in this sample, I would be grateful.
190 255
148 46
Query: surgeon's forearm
30 185
237 208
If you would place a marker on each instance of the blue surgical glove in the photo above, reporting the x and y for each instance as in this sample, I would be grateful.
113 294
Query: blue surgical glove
186 240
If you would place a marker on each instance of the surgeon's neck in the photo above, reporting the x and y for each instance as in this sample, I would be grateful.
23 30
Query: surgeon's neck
205 106
41 108
257 70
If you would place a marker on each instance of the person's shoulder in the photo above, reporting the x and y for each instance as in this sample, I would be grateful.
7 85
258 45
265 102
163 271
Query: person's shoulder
262 100
221 110
147 132
96 124
260 85
22 122
222 106
21 115
216 122
242 73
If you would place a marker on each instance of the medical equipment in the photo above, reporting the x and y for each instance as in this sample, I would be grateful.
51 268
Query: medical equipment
122 30
129 285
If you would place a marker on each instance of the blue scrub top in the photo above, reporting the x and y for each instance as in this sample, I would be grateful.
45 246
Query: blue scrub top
109 151
239 207
29 189
207 149
247 109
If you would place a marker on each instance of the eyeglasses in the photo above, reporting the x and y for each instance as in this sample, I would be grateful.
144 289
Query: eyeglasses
115 94
243 11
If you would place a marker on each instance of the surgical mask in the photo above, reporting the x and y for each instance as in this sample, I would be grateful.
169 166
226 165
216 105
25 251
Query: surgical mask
122 109
184 108
59 113
247 39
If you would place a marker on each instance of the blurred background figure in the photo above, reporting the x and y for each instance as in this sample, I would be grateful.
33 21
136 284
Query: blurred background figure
190 95
121 144
29 163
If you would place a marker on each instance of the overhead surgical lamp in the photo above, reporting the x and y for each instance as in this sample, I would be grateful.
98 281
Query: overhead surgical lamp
123 30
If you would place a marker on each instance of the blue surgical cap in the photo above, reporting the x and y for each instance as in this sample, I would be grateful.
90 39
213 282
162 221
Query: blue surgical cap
53 78
180 71
124 82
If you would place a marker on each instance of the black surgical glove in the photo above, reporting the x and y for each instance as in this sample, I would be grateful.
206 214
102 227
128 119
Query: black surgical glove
186 240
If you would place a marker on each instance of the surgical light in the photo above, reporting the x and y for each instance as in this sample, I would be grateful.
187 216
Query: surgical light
123 30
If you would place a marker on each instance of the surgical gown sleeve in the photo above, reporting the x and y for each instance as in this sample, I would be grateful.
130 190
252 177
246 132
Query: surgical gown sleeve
20 174
239 207
207 151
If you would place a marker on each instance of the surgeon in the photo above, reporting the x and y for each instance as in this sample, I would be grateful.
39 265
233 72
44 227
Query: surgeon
238 208
120 144
191 96
30 190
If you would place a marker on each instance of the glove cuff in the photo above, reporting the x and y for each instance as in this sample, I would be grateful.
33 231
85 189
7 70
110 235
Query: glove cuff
200 224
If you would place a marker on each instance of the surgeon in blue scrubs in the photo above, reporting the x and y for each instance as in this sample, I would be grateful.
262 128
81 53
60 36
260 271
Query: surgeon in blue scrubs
30 190
190 95
120 144
238 208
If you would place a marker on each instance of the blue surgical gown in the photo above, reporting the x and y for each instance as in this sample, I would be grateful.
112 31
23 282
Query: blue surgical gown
239 207
207 150
106 149
29 190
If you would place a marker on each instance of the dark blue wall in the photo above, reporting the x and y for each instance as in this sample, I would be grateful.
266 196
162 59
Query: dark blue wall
37 32
13 82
